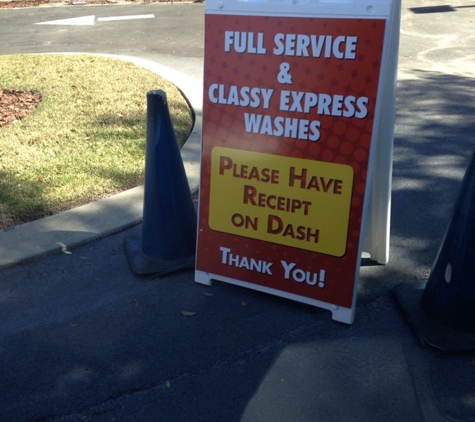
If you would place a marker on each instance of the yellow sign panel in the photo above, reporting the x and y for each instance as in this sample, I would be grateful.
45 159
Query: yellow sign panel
289 201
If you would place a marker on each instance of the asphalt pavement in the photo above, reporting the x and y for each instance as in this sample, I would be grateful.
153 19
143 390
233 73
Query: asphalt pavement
82 338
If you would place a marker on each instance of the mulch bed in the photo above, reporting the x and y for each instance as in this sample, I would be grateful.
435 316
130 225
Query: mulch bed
25 3
35 3
15 105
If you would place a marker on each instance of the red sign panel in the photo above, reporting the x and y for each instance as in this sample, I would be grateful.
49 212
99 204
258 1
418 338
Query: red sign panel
289 106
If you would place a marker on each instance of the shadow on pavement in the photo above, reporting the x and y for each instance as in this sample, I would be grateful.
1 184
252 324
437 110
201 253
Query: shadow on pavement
434 139
83 338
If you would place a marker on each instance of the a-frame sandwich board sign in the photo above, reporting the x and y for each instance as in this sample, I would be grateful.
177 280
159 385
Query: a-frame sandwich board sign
292 126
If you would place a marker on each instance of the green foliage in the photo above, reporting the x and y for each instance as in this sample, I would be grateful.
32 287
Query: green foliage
85 141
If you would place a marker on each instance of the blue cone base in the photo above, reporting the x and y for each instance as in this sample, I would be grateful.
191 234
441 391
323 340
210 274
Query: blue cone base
142 264
434 333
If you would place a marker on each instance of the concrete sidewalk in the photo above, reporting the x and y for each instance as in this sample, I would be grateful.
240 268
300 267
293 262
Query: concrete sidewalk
110 215
84 339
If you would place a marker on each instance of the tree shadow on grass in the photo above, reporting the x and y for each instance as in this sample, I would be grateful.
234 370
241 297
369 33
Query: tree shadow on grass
16 206
117 122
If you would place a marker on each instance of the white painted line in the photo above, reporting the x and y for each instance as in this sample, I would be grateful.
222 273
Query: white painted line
89 20
125 18
81 21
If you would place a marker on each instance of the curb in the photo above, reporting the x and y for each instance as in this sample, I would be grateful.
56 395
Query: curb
106 216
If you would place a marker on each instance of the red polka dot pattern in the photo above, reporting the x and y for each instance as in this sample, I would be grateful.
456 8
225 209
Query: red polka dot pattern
344 140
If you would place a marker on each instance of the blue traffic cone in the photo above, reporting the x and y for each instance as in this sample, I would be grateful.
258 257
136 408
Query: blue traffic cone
168 241
443 311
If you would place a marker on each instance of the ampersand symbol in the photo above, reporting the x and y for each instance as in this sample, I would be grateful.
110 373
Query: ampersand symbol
284 77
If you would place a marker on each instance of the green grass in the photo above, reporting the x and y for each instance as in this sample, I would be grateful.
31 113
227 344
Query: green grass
87 138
